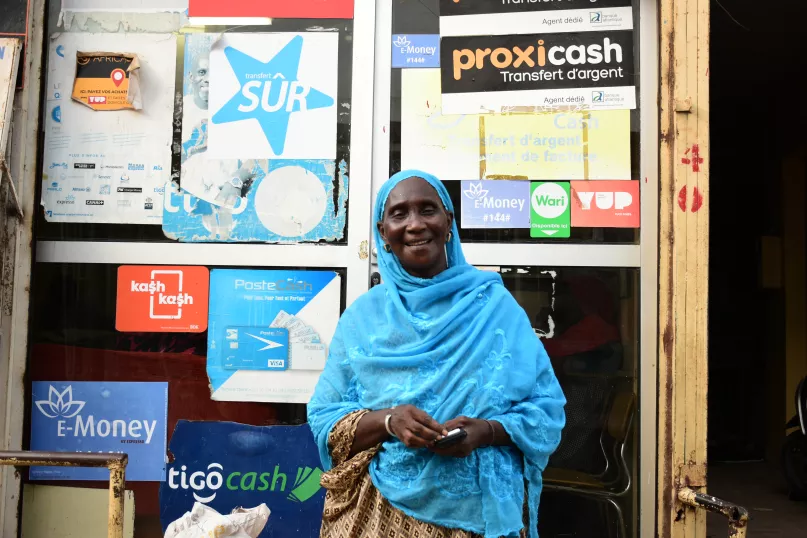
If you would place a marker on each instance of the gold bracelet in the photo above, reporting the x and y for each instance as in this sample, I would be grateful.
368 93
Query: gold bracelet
492 432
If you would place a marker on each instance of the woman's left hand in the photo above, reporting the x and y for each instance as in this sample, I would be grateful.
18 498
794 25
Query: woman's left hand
478 435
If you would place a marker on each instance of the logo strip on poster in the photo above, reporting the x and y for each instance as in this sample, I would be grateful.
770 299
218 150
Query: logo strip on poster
526 19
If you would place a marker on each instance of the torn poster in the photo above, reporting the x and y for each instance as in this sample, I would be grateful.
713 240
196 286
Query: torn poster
277 201
246 200
269 332
555 146
108 168
107 81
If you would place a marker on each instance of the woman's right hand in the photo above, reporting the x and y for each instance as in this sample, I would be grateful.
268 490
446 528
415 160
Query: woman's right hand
414 427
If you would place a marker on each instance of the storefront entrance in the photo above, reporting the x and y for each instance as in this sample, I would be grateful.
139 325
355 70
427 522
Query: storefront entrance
588 284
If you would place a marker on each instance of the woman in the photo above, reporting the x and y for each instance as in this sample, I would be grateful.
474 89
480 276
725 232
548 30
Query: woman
439 345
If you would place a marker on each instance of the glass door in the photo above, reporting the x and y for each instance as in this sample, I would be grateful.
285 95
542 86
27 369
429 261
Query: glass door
587 279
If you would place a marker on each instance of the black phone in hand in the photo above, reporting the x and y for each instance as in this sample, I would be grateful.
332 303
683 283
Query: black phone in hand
453 437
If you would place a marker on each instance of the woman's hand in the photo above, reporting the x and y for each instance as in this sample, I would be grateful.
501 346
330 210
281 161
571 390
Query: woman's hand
415 428
479 435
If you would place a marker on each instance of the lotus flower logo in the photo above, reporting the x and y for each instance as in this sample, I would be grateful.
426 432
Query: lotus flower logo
475 191
401 42
60 405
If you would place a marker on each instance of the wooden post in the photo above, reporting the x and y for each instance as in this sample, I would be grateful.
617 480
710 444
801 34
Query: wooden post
683 263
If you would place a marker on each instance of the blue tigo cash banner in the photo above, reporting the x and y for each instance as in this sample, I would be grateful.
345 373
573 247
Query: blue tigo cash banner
227 465
101 417
269 331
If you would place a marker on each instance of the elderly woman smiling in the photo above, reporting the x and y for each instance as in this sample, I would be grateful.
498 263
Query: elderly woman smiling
439 346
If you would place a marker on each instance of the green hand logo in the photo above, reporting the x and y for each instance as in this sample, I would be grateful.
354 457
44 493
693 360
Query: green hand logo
306 484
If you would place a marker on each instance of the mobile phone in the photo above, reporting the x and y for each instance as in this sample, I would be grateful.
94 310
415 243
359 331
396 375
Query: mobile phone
453 437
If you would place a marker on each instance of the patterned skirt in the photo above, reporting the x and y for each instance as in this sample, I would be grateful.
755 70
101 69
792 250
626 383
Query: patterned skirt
354 508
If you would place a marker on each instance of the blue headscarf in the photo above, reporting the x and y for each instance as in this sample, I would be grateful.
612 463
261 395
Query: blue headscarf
455 344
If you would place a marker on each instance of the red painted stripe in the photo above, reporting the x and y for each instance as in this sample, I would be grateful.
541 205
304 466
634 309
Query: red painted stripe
281 9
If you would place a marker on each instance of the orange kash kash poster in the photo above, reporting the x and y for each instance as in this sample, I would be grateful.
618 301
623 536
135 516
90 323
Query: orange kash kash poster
162 299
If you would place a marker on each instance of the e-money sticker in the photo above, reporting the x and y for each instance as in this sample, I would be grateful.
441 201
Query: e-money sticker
101 417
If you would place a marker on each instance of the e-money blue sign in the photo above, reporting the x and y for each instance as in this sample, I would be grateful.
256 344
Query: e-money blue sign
227 465
415 50
101 417
495 204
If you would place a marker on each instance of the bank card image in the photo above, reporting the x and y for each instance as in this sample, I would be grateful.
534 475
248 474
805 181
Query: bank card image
256 348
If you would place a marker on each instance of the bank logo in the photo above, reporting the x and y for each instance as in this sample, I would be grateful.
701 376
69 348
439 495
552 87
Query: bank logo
270 92
596 17
205 484
60 51
597 97
60 404
56 114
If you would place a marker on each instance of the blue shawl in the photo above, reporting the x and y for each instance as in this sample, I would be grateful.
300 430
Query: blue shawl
456 344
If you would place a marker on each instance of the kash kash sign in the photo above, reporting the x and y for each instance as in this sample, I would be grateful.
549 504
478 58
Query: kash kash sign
605 204
162 299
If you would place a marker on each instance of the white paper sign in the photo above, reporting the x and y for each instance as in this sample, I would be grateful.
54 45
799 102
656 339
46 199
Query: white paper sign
108 166
273 96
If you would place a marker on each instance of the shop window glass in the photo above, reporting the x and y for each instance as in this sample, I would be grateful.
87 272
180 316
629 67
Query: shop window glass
588 322
73 338
459 148
77 231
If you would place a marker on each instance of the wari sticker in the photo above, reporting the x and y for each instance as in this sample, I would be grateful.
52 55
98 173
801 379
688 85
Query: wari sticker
227 465
605 204
269 332
162 299
482 74
107 81
101 417
550 214
495 204
484 17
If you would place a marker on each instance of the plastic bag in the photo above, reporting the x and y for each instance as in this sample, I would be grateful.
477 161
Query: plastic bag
204 522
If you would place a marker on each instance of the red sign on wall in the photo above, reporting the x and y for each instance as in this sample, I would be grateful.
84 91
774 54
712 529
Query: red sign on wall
605 204
163 299
280 9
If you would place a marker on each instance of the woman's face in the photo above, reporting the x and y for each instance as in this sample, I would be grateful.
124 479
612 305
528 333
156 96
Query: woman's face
415 225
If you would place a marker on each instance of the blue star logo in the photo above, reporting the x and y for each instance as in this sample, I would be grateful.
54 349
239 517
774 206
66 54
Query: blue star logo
270 92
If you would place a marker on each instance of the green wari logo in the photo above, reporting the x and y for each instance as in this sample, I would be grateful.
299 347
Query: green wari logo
550 212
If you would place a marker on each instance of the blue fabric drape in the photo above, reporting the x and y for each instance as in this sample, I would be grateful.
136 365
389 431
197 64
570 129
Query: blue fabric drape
456 344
